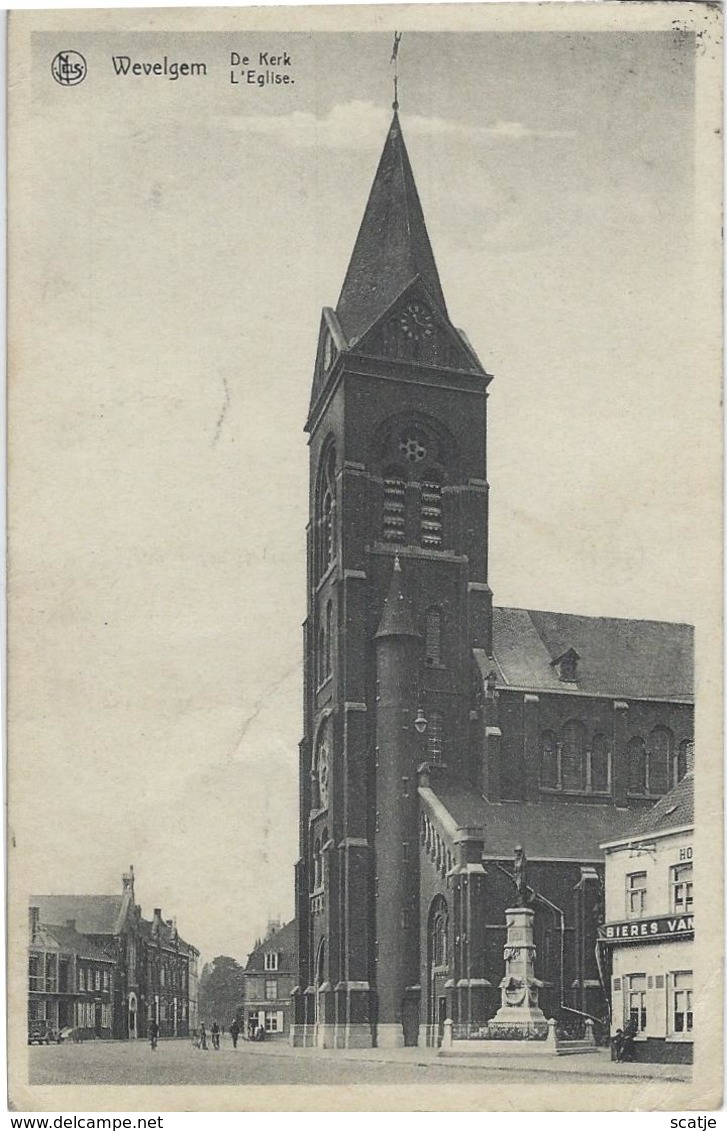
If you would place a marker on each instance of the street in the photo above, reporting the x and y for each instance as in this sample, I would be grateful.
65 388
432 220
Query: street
178 1063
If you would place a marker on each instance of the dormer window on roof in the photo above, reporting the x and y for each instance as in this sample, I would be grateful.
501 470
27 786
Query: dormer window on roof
567 666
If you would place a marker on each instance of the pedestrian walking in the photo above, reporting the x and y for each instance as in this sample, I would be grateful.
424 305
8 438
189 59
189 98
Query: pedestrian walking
235 1032
215 1036
203 1037
153 1033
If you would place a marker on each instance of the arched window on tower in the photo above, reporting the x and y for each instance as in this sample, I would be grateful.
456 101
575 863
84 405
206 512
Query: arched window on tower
600 764
329 644
435 736
321 656
573 756
394 520
326 523
549 760
433 638
661 751
636 754
431 511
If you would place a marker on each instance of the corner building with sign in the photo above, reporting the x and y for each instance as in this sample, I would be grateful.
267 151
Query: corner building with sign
647 939
440 731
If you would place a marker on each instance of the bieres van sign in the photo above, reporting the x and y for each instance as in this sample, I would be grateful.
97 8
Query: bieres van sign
643 930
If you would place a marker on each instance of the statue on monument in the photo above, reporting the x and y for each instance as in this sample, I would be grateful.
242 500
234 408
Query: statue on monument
520 876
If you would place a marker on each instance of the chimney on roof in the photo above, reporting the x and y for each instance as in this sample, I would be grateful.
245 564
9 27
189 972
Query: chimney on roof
127 880
33 921
690 757
71 924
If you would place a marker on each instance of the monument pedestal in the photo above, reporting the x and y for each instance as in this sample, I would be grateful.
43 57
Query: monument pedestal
519 1013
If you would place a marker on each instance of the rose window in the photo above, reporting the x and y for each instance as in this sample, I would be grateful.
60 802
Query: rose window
412 449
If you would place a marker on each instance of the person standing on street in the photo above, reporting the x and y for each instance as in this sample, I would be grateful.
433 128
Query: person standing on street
235 1032
153 1033
203 1037
215 1036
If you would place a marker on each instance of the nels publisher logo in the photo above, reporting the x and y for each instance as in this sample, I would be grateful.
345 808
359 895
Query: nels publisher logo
69 68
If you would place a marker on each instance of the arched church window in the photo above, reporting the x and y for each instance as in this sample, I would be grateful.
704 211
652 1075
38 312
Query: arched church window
573 756
435 736
394 506
317 870
431 511
321 656
326 521
549 760
433 638
439 932
600 764
329 626
636 753
661 750
681 760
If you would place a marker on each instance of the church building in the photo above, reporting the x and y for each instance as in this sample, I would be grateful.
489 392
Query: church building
440 732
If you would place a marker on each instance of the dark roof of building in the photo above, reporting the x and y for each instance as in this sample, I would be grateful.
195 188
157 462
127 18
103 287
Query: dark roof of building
93 914
675 810
283 942
392 248
72 940
629 659
547 830
397 618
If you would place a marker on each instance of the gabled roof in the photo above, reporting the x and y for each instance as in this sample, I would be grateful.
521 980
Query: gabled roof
630 659
70 940
547 830
94 914
675 810
284 942
392 248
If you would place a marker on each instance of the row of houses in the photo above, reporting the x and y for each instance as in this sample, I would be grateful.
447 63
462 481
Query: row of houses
98 967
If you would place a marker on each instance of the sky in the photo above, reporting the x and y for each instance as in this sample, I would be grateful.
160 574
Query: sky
180 241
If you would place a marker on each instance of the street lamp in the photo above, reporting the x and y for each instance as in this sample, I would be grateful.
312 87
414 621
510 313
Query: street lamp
420 722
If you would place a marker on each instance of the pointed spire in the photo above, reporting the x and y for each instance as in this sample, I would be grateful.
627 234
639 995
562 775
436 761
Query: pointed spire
398 618
392 248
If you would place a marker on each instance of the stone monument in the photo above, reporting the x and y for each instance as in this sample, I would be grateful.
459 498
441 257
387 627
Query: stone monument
519 1015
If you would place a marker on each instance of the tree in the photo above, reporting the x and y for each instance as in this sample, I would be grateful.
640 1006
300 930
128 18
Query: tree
221 991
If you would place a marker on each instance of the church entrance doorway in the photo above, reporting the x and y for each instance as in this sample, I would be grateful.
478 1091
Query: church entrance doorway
132 1017
410 1022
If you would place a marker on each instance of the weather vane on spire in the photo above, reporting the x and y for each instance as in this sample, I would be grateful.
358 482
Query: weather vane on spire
395 61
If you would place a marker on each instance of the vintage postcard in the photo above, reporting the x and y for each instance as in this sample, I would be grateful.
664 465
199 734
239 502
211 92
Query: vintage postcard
365 558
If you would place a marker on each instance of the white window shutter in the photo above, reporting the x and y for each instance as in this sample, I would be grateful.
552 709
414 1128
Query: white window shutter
280 1020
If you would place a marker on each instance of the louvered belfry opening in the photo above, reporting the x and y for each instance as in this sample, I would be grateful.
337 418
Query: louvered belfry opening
394 507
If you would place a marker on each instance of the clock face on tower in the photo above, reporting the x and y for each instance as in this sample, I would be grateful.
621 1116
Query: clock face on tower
416 322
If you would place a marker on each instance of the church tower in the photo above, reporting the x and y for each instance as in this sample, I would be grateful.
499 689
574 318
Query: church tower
397 600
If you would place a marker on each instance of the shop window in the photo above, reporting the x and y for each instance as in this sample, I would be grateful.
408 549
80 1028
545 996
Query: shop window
682 890
636 1001
636 895
682 1001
